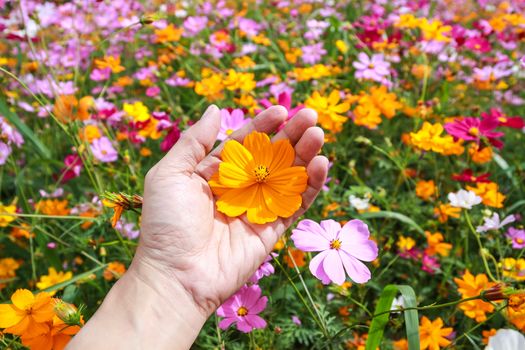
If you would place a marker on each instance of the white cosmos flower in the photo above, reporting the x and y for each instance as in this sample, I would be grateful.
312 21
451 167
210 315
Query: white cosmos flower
464 199
494 223
506 339
359 203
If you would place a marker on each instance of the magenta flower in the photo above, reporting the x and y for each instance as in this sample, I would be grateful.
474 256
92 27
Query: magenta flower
103 150
340 249
474 129
243 308
230 122
265 269
375 68
284 99
72 167
517 236
5 151
430 264
503 120
478 44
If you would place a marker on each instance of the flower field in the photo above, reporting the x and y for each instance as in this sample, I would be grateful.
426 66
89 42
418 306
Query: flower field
417 238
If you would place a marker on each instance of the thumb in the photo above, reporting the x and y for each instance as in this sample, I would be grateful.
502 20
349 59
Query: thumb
194 143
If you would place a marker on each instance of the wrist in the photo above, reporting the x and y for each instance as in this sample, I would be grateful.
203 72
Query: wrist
143 310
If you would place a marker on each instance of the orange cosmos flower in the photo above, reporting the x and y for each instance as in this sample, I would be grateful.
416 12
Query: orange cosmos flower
53 207
115 269
425 189
490 194
258 178
297 256
432 334
28 313
471 286
56 337
436 244
444 211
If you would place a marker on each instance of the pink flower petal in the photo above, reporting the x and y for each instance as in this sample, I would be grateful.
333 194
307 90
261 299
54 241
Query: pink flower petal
334 268
259 306
256 321
332 228
244 326
227 322
316 267
250 296
312 226
357 271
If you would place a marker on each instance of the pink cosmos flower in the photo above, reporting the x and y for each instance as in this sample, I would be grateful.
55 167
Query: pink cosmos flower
5 151
265 269
473 129
313 53
517 236
430 264
340 249
72 167
103 150
284 99
478 44
375 68
230 122
243 308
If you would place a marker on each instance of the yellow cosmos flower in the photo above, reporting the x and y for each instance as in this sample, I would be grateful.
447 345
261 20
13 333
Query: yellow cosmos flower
53 277
27 314
239 81
138 111
490 194
6 219
329 110
258 178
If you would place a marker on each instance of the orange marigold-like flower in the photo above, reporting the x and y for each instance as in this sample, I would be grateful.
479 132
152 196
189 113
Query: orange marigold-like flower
115 269
297 256
432 334
330 111
471 286
436 244
27 314
56 337
53 207
480 155
425 189
490 194
257 177
444 211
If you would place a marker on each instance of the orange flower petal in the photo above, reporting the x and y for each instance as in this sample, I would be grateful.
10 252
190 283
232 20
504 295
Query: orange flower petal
231 175
283 155
259 213
283 206
259 145
217 188
289 181
9 316
236 154
23 299
235 202
21 327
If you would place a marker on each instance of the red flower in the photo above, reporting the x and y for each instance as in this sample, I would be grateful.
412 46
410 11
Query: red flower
468 176
503 120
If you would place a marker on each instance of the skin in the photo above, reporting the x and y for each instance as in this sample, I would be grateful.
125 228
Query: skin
190 257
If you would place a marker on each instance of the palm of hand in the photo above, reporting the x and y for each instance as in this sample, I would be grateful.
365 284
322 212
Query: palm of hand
186 239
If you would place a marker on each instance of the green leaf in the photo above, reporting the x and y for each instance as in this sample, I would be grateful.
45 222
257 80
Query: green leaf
74 279
393 215
411 316
515 206
24 129
377 327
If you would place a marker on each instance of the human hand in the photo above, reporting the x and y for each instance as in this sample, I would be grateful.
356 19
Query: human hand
189 251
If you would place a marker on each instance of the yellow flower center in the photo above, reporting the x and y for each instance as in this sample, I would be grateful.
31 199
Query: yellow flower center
502 119
229 131
371 66
261 173
335 244
519 240
242 311
473 131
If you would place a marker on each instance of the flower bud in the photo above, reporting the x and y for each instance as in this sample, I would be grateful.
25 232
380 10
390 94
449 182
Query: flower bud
67 313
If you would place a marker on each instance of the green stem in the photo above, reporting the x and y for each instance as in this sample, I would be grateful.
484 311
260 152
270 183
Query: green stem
481 252
318 321
429 307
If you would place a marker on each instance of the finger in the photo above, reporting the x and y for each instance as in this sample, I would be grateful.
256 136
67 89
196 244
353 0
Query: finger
308 145
317 171
194 143
266 121
295 128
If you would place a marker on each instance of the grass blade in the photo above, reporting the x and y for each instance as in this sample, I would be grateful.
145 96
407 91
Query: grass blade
24 130
411 316
393 215
377 327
